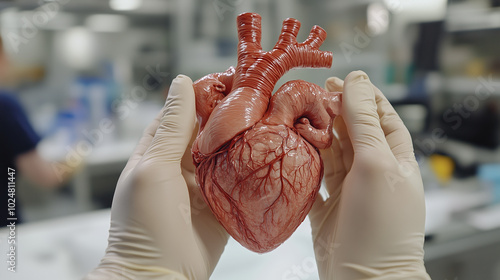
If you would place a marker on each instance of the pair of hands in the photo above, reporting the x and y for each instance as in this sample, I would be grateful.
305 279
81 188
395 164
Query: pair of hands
371 226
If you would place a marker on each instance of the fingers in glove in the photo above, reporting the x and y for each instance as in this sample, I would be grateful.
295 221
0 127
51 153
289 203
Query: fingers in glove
359 110
333 176
188 168
176 123
333 163
334 167
395 131
322 209
335 84
345 142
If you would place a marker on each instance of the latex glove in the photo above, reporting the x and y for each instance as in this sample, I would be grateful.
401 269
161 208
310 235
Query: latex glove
160 226
372 224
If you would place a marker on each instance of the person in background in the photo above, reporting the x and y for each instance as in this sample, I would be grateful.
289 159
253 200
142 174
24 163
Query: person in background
18 143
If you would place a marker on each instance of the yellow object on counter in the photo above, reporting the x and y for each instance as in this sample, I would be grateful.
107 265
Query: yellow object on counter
443 167
476 67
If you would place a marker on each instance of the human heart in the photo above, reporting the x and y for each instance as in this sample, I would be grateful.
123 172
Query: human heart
256 154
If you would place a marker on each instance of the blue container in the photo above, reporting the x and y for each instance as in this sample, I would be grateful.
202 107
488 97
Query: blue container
490 174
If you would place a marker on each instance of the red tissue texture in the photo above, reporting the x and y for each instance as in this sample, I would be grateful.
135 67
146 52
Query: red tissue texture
256 153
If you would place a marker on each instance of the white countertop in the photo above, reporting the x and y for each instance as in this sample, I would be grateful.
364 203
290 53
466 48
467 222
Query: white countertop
67 248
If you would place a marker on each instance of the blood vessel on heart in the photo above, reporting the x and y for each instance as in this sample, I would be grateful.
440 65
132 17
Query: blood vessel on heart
256 154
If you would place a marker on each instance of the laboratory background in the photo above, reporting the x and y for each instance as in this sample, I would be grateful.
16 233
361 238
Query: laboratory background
92 74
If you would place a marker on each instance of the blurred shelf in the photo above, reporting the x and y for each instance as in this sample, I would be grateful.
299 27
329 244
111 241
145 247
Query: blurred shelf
470 240
205 64
346 5
472 17
468 85
147 8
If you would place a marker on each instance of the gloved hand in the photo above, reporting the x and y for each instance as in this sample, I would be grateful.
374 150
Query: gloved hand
372 224
160 226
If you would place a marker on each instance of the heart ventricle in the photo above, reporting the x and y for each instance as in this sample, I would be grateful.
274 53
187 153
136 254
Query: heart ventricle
262 185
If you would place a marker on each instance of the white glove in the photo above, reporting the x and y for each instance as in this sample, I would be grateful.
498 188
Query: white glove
372 224
160 226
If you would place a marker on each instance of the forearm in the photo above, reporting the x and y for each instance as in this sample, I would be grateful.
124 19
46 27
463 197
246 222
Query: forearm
38 170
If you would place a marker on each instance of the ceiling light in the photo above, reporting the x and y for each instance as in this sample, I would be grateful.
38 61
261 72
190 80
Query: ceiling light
377 18
124 5
77 47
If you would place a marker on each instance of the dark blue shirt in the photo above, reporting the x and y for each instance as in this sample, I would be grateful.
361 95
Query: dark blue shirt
17 137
